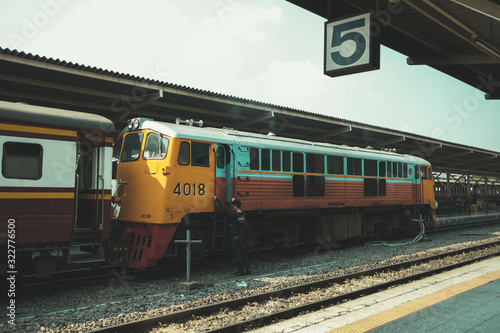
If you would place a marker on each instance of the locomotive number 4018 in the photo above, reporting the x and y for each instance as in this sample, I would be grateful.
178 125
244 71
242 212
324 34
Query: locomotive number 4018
189 189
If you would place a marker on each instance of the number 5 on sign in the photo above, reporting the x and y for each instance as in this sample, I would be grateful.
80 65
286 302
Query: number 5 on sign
350 46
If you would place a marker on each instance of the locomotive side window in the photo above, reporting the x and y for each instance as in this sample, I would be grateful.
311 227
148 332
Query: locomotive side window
315 186
156 147
298 162
132 147
276 160
381 169
389 169
287 161
200 153
315 163
370 168
335 165
117 149
382 187
423 171
354 166
22 160
265 159
221 157
254 159
184 153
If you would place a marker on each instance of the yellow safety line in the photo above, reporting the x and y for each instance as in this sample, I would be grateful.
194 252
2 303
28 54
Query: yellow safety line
38 130
37 195
377 320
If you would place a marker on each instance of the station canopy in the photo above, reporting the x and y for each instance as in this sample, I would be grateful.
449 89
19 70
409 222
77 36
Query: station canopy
38 80
460 38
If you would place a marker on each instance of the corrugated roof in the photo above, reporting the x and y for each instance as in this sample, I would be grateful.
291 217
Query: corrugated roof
117 96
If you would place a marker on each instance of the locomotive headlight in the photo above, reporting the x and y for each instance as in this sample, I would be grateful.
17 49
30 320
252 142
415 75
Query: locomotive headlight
133 124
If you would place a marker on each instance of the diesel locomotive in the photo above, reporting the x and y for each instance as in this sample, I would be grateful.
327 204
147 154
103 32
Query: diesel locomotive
64 184
293 191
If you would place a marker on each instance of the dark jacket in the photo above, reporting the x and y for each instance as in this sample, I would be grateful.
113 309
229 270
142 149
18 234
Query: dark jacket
238 221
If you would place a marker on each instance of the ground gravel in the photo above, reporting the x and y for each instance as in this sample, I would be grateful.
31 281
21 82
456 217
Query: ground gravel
124 297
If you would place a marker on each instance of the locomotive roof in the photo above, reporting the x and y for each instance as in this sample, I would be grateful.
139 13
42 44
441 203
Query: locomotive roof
247 139
56 117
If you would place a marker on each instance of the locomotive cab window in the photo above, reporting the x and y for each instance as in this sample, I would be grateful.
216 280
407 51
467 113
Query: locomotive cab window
196 154
132 147
200 154
22 160
156 147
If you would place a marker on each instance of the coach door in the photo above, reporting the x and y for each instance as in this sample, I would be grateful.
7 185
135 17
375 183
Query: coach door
93 191
223 172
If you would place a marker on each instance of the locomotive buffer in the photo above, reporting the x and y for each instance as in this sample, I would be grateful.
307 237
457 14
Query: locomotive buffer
188 285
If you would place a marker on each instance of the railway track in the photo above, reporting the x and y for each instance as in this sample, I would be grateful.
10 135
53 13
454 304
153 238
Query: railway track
402 273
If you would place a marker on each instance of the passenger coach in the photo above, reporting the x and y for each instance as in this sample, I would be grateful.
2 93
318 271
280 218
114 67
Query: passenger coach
293 191
55 184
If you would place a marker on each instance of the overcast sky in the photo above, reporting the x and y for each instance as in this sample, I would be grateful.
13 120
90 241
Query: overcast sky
265 50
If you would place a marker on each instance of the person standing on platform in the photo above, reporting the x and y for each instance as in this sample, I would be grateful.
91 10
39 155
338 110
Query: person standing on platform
237 234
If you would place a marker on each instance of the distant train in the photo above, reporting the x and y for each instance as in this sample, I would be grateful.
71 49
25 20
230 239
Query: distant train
57 186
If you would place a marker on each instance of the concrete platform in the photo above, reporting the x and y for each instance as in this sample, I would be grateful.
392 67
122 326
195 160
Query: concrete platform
463 300
491 215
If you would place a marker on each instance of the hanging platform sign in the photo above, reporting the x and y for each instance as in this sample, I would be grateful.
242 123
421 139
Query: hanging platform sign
350 46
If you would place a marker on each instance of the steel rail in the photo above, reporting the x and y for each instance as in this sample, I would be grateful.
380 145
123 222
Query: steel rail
144 324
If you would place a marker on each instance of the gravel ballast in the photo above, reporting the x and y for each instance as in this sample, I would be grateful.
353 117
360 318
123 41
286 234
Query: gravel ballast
124 297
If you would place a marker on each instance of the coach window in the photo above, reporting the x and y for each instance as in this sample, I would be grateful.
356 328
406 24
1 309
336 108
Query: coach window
276 160
287 161
254 159
298 162
417 172
354 166
132 147
335 165
200 154
265 159
22 160
405 170
184 153
156 147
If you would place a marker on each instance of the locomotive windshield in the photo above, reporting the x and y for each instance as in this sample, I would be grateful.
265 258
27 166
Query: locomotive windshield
132 147
156 147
